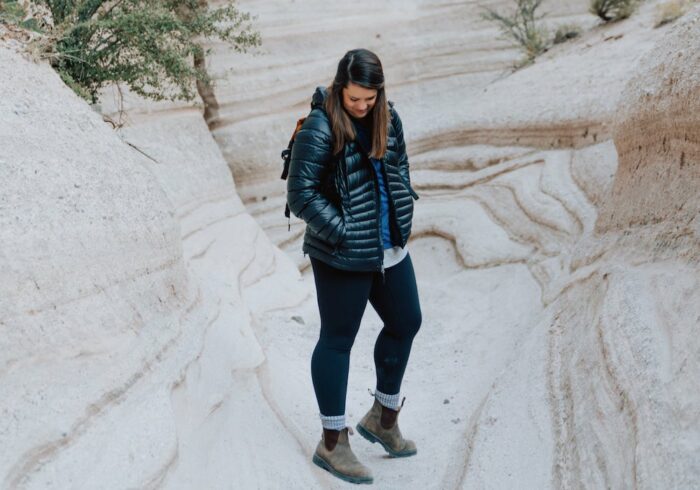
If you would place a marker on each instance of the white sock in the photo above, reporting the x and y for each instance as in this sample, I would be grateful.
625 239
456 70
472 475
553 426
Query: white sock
389 401
335 422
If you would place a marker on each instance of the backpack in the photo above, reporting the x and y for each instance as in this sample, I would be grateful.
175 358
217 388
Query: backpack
286 157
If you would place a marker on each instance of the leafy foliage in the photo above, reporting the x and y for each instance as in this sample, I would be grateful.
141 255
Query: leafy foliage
566 32
11 11
522 27
149 45
613 10
25 15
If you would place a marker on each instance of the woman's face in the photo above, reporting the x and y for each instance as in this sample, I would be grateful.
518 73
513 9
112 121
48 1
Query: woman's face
358 101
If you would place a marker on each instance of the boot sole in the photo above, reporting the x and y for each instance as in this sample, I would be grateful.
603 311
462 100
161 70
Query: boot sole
322 463
375 438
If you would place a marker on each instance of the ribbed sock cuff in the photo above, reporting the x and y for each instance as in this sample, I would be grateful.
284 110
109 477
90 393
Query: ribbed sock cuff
336 422
389 401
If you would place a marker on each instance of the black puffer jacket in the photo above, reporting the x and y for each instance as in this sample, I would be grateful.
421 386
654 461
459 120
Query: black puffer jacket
337 196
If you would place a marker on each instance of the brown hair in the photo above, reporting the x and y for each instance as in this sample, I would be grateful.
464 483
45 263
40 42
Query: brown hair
361 67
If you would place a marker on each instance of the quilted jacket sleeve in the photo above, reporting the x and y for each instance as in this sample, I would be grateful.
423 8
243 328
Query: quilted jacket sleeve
310 160
401 149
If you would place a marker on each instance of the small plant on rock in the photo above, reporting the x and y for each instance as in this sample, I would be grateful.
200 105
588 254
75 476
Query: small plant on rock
669 11
522 27
11 12
566 32
613 10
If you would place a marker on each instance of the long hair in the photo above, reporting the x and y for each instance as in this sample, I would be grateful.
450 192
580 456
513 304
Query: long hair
361 67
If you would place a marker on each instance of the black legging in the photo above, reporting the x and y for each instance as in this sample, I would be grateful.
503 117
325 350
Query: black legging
342 298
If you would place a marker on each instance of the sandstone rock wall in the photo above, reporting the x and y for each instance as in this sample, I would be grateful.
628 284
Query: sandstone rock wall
131 278
97 310
616 345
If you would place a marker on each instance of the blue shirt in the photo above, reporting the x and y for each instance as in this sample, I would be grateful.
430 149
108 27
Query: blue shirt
364 140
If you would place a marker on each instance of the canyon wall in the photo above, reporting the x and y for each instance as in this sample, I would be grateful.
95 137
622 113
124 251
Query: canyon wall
156 331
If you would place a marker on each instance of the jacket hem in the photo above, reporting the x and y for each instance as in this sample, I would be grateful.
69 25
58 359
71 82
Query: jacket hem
338 262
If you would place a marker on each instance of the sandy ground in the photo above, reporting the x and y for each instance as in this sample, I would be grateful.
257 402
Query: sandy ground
454 361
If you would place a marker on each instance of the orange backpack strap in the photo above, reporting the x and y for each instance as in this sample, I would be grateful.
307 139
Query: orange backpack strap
287 152
299 123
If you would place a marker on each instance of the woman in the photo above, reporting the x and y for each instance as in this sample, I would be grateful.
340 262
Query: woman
349 181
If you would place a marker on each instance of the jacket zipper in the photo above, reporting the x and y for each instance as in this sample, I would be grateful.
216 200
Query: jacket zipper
377 209
392 208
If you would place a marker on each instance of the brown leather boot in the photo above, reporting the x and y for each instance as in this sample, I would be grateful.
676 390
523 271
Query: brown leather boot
380 425
330 438
333 454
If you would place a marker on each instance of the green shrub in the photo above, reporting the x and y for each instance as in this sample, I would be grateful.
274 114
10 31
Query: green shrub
147 45
613 10
671 10
522 27
566 32
25 14
11 12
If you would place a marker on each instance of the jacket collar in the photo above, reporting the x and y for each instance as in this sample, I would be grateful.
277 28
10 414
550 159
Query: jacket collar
318 97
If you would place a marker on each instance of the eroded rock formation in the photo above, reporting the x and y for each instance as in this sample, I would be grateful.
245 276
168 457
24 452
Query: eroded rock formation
152 336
